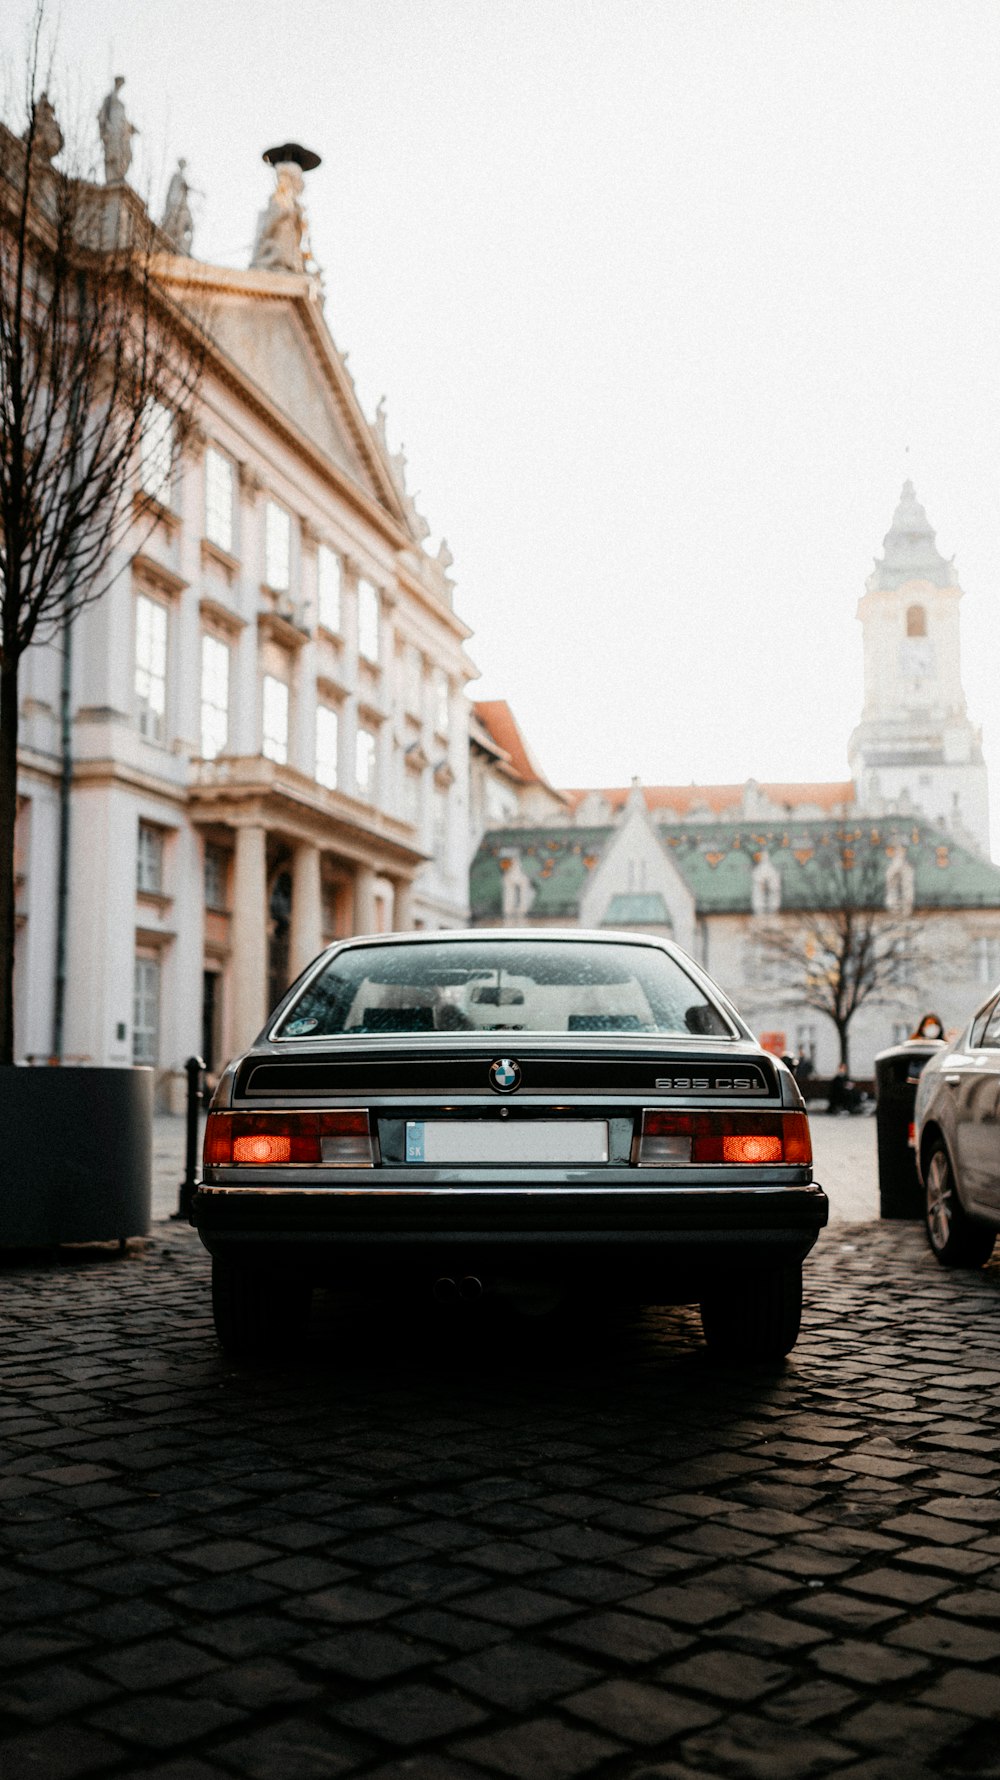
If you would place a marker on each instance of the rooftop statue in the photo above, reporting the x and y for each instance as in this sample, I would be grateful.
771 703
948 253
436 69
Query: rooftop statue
177 222
44 131
116 135
281 244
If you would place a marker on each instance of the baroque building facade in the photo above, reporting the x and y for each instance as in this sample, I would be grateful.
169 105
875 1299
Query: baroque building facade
717 866
267 742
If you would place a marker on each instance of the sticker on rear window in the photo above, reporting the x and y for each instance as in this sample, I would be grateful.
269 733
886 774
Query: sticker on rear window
298 1028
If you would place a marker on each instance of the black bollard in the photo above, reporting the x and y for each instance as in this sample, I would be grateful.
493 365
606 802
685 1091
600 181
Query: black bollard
194 1069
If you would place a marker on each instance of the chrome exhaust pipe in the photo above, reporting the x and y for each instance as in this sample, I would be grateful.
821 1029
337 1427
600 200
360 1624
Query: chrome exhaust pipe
445 1291
470 1288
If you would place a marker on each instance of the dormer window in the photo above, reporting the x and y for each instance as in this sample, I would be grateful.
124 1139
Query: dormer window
899 885
765 887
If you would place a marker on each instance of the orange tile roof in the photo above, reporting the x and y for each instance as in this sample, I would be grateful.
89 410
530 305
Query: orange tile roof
496 716
680 800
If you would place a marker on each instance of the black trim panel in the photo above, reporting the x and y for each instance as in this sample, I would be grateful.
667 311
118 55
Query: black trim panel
465 1073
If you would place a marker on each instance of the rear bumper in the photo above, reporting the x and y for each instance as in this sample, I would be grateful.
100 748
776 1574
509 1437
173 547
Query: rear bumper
348 1225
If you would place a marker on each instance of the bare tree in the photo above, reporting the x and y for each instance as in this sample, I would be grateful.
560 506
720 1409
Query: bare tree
852 939
98 375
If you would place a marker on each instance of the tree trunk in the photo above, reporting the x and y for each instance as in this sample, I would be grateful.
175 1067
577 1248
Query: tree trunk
842 1034
8 817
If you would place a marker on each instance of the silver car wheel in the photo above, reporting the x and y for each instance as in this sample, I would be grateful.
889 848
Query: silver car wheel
939 1200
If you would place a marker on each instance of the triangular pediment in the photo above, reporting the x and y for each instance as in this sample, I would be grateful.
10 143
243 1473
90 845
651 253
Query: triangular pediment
270 343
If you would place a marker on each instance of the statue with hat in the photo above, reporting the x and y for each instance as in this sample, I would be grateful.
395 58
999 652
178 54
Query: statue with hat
281 243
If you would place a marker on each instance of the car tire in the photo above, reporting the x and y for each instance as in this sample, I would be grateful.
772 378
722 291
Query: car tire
260 1314
956 1239
754 1317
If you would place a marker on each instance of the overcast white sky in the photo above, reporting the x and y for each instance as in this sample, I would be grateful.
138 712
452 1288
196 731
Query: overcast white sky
667 298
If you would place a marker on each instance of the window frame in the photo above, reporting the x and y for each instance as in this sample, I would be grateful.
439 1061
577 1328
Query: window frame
980 1021
441 698
151 723
227 542
147 1056
986 958
210 639
325 596
366 789
440 824
280 512
279 758
990 1018
369 614
216 860
150 850
413 679
156 453
327 711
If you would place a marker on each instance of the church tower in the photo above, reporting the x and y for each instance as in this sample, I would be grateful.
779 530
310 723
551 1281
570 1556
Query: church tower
915 750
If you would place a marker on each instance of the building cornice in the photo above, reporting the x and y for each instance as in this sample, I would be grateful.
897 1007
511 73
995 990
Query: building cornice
150 569
223 616
92 774
251 788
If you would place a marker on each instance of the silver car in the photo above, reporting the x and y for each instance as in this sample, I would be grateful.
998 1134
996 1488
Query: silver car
958 1141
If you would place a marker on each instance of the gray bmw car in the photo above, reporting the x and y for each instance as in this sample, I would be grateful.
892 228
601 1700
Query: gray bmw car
518 1115
957 1136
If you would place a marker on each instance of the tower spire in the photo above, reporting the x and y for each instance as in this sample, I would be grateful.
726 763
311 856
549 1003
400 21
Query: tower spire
911 552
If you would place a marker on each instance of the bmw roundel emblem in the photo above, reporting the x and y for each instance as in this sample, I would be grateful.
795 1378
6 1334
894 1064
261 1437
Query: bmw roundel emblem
505 1075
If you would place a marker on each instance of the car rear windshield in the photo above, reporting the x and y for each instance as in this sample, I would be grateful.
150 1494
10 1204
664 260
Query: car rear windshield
502 986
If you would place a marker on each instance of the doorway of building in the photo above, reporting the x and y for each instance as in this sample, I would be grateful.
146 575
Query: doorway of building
211 1019
280 912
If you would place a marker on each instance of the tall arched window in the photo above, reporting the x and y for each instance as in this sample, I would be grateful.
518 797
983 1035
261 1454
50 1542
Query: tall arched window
916 621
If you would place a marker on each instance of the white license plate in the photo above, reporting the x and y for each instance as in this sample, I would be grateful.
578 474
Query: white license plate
487 1140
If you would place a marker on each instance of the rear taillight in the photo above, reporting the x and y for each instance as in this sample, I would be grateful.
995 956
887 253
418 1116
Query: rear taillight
275 1139
752 1139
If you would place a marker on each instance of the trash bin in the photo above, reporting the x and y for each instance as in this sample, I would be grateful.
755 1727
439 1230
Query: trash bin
897 1072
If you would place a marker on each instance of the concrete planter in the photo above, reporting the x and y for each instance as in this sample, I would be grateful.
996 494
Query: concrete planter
77 1158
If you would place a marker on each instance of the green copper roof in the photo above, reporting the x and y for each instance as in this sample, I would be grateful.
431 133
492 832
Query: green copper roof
558 862
716 861
638 908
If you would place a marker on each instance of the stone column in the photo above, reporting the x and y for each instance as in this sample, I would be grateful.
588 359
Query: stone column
402 905
306 936
248 988
364 900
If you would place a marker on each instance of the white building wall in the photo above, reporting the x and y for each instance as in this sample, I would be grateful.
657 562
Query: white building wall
946 981
122 777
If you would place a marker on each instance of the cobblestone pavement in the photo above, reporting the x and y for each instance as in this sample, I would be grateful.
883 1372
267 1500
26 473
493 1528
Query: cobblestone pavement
461 1550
